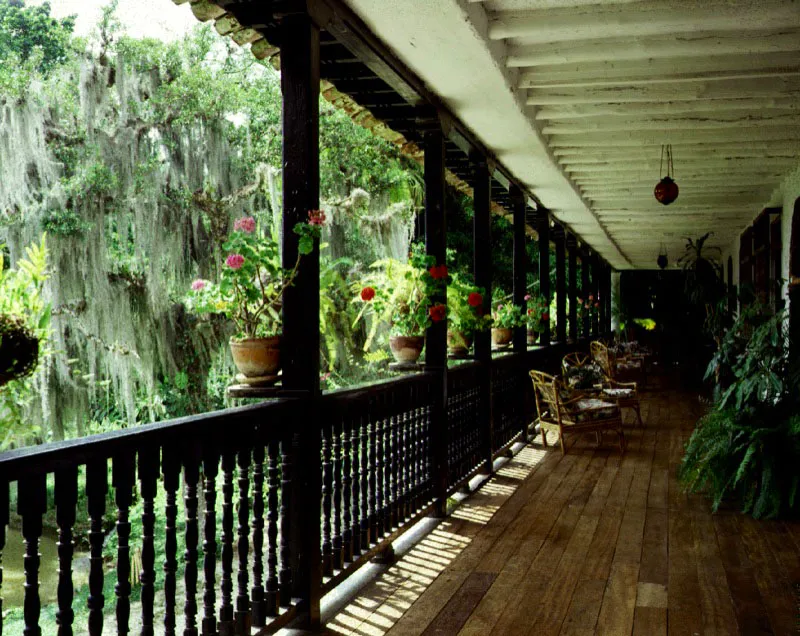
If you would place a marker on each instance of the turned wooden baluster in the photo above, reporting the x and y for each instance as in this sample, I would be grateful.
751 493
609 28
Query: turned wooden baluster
4 517
273 487
242 615
148 480
285 575
123 477
405 459
96 489
31 505
347 490
257 591
378 525
66 496
327 486
395 467
226 585
191 477
372 479
338 552
355 430
364 479
210 470
171 470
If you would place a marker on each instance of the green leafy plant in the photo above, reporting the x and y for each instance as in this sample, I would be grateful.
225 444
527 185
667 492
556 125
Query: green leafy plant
747 448
537 311
465 307
401 294
505 315
252 281
65 223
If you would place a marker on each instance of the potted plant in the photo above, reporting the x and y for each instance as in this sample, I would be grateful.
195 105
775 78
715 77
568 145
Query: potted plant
465 315
250 293
505 316
537 311
400 295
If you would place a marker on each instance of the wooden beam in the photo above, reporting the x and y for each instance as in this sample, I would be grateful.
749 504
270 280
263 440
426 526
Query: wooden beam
721 121
585 289
613 72
765 106
683 138
625 48
778 87
639 20
572 248
520 259
712 151
543 228
561 285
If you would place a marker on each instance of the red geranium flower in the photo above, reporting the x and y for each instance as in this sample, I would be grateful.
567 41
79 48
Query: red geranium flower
475 299
438 271
591 297
438 312
597 305
367 294
545 316
316 217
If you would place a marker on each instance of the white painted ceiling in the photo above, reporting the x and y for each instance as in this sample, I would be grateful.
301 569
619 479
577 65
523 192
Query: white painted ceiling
577 97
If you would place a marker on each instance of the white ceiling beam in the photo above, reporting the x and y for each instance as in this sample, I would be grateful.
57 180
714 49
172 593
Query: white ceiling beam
730 148
659 70
644 169
778 87
640 19
762 106
698 122
676 138
687 197
686 162
669 45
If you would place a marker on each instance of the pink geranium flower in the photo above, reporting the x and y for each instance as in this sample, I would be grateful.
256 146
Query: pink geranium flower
198 285
234 261
245 224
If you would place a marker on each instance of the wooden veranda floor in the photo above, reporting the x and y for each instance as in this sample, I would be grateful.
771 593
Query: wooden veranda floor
591 543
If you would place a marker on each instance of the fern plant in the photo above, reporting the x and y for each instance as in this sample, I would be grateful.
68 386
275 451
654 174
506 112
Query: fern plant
747 448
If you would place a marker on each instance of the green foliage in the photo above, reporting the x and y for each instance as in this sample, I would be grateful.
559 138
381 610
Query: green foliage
505 315
21 296
748 447
465 306
65 223
537 311
30 33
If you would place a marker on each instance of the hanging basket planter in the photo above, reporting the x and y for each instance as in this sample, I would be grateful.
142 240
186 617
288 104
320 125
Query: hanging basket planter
19 349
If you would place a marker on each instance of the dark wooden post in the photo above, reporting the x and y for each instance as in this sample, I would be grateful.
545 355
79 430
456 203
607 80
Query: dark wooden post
595 287
518 205
573 287
482 255
607 279
561 285
300 86
585 291
543 228
731 289
601 292
436 337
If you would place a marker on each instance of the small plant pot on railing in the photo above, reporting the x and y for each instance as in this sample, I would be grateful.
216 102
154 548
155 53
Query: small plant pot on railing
458 344
532 337
501 336
257 359
406 349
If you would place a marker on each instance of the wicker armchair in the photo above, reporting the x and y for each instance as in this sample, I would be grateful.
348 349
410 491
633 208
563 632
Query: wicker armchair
625 394
566 413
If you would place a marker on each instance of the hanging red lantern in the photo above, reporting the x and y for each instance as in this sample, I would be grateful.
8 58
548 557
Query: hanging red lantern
666 190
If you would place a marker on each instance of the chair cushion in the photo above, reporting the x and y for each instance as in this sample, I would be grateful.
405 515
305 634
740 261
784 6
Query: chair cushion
629 365
589 409
618 393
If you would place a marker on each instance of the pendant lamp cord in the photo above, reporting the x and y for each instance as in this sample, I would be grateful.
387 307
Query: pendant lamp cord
670 167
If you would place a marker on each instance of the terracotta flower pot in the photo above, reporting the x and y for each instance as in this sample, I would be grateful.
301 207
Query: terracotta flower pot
533 337
257 357
406 349
501 336
457 343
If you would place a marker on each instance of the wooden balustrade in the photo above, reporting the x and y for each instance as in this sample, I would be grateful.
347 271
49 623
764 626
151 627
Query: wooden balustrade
239 570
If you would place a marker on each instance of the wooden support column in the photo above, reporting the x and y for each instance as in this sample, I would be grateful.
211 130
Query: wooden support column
299 41
518 205
559 239
595 287
436 337
609 298
601 292
586 327
482 255
573 287
543 228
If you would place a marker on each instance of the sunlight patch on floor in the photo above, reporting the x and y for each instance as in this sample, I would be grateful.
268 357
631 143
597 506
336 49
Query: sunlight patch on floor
384 601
